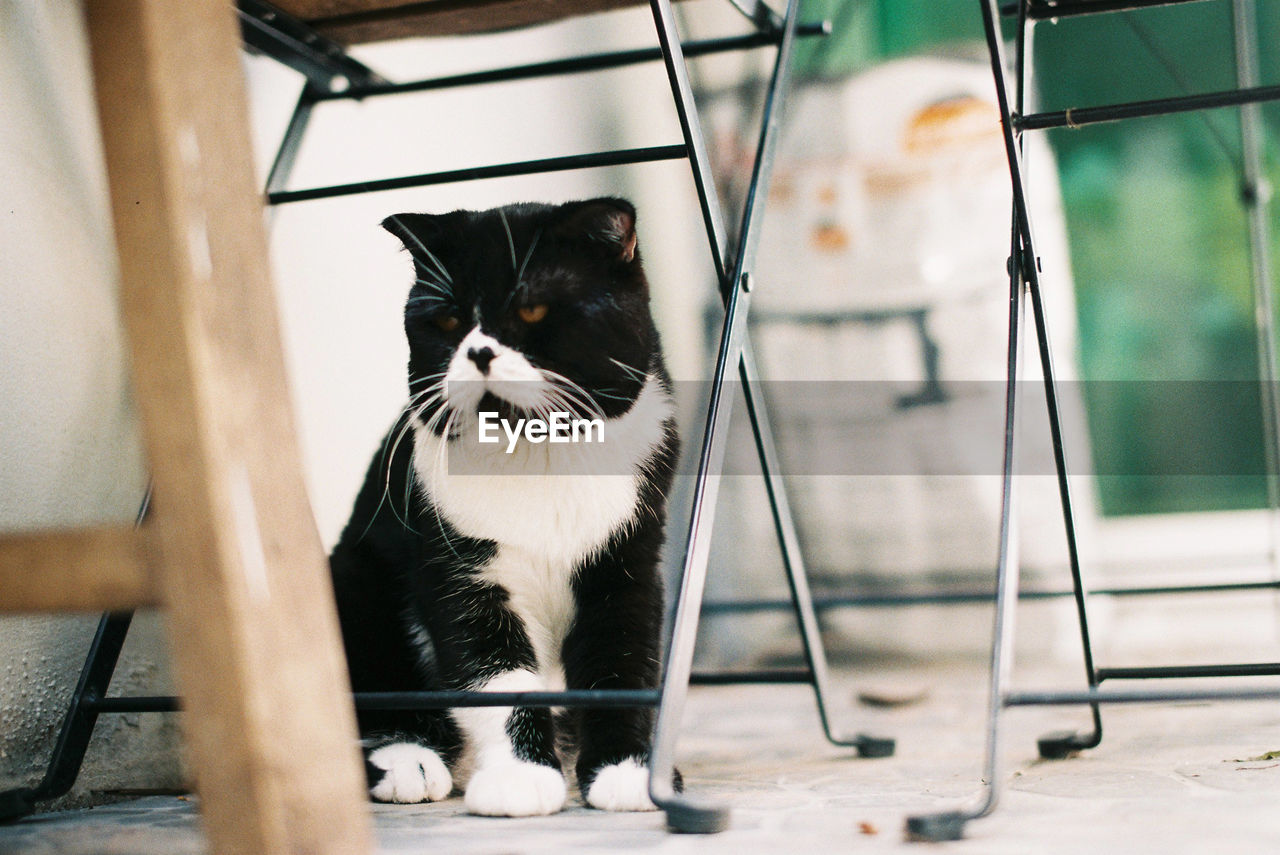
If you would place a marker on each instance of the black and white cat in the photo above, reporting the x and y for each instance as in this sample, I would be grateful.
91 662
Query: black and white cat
515 565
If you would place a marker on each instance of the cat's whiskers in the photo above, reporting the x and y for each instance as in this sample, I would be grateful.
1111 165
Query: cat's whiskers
388 455
601 393
426 378
520 283
511 242
636 373
441 290
572 390
520 273
412 410
440 469
443 412
560 402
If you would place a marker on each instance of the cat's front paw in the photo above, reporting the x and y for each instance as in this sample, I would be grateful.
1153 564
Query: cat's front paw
621 786
411 773
516 789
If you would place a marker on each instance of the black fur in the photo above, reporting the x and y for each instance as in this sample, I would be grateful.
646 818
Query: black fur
401 567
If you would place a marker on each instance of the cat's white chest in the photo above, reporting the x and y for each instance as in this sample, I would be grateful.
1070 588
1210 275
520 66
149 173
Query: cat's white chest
560 503
561 519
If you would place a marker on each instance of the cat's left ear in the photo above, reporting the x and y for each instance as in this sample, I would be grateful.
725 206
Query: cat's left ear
609 221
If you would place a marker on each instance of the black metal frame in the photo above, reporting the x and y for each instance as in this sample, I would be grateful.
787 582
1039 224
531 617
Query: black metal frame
332 75
77 727
1024 274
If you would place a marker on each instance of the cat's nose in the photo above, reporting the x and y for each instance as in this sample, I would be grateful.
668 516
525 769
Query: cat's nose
481 356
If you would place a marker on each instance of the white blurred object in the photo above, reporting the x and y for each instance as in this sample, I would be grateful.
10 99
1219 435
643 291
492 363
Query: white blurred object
891 187
891 198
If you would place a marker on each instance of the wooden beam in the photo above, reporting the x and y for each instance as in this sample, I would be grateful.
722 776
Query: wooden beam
358 21
96 569
254 633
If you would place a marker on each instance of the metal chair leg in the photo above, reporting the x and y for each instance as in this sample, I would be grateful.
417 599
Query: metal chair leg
1026 263
684 813
1058 744
793 562
949 825
1256 194
82 715
291 142
77 726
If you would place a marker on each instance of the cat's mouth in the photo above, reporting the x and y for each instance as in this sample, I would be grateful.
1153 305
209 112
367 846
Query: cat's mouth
491 403
469 401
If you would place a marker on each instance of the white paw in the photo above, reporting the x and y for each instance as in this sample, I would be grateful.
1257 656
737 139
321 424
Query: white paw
415 773
516 789
622 786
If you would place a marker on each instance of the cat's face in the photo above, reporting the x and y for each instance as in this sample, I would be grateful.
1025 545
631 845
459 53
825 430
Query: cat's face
524 310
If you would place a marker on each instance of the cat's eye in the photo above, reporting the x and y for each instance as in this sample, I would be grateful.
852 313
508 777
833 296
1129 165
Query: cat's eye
448 323
532 314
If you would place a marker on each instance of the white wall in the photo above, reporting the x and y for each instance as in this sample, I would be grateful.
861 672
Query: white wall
69 451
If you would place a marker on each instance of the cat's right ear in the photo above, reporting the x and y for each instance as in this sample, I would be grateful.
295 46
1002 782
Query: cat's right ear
415 231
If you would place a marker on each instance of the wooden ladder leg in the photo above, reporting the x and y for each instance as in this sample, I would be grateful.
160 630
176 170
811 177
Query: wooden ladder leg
255 639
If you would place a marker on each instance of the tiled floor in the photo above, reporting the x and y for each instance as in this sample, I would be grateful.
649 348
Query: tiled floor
1168 779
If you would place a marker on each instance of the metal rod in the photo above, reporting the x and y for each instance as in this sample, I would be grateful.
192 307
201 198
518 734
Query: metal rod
679 659
575 65
682 812
78 723
1041 11
1062 743
691 129
600 698
572 698
291 142
784 523
77 726
759 14
1078 117
729 678
1228 587
134 704
1170 672
895 600
1029 699
1008 565
949 825
1256 196
793 563
291 42
505 170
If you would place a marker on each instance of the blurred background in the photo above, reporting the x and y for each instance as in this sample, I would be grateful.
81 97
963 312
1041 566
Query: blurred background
881 276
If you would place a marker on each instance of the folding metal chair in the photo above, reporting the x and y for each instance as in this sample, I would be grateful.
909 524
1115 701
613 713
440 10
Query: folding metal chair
1024 272
332 74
